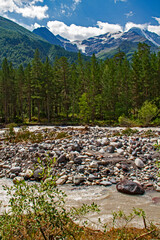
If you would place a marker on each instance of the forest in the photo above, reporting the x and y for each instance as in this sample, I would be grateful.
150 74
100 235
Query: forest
90 91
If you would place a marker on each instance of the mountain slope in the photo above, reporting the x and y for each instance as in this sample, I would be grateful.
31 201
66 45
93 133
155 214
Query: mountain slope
18 45
57 40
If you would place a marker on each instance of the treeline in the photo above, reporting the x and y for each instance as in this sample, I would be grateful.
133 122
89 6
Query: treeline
83 91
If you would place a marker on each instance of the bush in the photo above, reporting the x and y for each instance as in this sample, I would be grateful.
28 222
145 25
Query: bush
147 112
126 122
37 211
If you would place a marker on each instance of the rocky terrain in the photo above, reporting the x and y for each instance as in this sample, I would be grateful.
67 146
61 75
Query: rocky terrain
86 156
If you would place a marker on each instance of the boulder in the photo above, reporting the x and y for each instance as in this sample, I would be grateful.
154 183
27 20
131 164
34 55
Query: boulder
129 187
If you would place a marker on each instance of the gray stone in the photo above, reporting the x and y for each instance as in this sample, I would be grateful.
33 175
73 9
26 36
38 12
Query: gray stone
110 149
62 159
139 163
78 179
62 180
105 183
15 169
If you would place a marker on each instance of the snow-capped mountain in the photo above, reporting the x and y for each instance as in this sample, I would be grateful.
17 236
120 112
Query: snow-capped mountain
108 44
111 41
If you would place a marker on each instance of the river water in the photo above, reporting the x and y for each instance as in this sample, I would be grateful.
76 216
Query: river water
108 199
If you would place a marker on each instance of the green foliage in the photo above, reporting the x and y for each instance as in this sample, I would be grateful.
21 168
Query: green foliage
129 131
83 92
37 211
126 122
147 112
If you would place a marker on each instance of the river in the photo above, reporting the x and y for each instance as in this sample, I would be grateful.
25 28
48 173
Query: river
108 199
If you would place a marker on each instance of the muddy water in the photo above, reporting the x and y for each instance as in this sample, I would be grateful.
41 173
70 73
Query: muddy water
108 199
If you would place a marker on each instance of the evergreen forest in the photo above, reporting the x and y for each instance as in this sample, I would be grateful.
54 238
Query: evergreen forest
90 91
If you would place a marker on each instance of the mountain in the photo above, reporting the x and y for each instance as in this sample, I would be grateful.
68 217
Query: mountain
18 45
108 44
57 40
47 35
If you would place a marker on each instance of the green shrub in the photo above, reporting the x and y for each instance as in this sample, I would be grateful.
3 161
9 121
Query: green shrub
126 122
37 211
147 112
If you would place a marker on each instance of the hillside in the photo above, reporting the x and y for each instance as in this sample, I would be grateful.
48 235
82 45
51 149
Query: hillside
18 45
57 40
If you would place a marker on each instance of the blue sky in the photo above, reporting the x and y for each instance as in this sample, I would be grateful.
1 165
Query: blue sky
79 19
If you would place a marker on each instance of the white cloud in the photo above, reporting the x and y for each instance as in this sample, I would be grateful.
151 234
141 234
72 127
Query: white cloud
130 25
38 12
26 8
74 32
129 14
120 1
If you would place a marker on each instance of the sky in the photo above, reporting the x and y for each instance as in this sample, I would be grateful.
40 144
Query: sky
81 19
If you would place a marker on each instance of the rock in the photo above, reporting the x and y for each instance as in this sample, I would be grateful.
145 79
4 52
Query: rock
62 180
76 147
38 174
104 141
129 187
113 181
110 149
15 169
157 188
105 183
78 160
18 179
139 163
125 167
156 200
62 159
119 145
78 179
120 151
92 177
28 174
81 168
93 164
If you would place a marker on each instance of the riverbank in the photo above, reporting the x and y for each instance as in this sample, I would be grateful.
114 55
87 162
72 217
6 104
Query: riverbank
85 155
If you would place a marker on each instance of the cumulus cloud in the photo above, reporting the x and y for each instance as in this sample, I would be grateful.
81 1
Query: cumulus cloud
74 32
27 8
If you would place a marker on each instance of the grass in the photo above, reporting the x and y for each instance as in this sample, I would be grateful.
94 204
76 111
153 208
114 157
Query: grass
24 135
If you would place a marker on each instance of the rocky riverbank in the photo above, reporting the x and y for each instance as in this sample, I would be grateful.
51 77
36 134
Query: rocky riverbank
86 156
